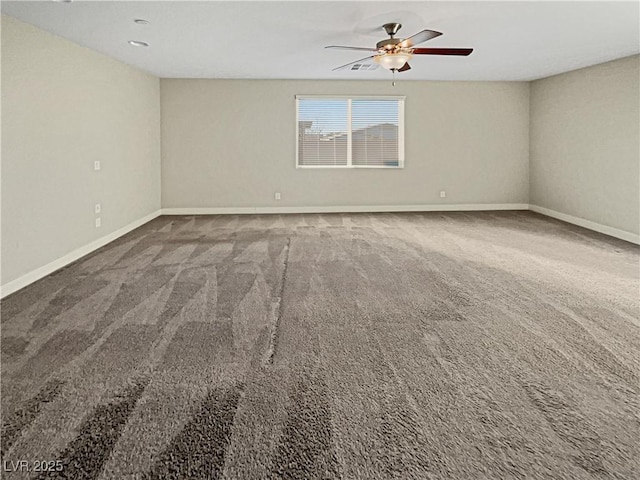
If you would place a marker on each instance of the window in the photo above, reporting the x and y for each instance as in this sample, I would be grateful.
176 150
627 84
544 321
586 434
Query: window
350 132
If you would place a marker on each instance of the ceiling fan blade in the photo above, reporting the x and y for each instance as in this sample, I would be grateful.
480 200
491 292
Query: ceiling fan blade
419 37
405 67
442 51
351 63
352 48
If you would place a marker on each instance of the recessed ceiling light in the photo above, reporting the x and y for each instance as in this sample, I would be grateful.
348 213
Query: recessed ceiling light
141 21
138 43
63 1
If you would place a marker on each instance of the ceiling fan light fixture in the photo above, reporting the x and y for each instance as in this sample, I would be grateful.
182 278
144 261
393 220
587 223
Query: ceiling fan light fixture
394 53
393 61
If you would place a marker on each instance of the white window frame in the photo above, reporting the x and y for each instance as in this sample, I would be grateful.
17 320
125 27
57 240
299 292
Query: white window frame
350 98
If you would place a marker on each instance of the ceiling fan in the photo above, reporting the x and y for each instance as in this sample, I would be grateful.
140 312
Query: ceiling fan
394 53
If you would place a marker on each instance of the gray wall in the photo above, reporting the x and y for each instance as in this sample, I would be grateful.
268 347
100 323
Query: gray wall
231 143
585 143
63 107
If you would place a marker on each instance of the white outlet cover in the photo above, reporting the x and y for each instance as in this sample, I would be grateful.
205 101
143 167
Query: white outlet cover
98 223
277 196
98 208
96 165
443 194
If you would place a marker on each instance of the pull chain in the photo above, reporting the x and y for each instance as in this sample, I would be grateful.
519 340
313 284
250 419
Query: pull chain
393 82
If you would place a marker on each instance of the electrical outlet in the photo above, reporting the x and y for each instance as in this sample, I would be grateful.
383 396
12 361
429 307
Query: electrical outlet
277 196
98 208
443 194
96 165
98 222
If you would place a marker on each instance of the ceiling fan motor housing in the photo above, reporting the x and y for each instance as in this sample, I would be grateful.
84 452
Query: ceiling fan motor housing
389 43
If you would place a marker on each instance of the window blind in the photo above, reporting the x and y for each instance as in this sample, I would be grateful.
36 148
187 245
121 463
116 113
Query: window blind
323 132
374 133
350 132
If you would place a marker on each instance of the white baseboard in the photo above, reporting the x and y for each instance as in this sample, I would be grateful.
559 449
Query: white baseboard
42 272
347 209
70 257
581 222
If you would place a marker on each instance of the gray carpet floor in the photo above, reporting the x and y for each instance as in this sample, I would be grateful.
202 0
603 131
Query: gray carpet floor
356 346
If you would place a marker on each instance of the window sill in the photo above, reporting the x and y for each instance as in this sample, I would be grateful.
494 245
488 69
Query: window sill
352 167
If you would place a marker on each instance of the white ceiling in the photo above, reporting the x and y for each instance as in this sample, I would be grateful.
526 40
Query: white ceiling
284 39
